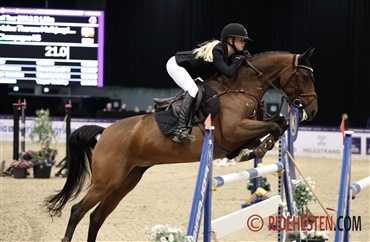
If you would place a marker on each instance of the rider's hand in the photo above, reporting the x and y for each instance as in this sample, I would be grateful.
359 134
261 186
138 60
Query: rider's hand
239 59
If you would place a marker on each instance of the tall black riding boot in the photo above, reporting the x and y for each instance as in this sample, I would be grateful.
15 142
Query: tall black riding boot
181 131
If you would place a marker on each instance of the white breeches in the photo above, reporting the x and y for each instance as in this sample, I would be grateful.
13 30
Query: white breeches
181 77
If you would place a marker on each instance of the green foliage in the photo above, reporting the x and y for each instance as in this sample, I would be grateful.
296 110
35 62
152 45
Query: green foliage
303 194
42 131
265 184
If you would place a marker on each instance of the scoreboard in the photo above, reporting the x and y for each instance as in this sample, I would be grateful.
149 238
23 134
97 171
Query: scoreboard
51 46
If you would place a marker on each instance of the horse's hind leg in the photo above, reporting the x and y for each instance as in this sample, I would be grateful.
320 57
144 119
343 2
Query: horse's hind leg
108 204
78 211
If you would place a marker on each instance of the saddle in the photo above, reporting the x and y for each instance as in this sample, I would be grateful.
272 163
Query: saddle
167 109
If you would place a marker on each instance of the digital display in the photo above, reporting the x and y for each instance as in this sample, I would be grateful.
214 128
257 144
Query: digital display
51 46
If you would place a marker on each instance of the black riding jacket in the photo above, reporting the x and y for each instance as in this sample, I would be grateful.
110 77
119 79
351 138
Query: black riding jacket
200 68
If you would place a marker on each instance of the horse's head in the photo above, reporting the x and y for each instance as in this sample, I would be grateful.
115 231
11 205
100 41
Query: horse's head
299 86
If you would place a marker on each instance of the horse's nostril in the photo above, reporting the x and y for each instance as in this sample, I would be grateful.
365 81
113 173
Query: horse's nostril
313 113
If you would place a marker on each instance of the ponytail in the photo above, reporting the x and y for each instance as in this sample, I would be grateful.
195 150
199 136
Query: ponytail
205 50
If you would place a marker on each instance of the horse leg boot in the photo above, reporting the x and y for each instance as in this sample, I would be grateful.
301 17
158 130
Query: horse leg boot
181 132
262 149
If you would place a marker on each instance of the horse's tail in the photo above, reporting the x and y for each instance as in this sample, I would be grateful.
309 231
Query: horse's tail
80 145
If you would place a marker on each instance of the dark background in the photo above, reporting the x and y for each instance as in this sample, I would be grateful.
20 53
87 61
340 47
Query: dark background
141 35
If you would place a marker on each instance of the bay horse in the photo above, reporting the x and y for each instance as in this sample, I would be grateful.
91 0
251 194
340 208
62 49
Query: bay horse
118 156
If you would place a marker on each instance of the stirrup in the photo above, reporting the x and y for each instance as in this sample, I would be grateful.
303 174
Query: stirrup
182 135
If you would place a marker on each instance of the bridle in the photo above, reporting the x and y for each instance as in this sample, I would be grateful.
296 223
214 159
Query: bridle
297 102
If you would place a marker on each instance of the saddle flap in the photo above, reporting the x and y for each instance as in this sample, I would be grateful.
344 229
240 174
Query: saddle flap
165 103
176 106
167 118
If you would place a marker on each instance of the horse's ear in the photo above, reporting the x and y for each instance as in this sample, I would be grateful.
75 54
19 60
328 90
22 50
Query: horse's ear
305 57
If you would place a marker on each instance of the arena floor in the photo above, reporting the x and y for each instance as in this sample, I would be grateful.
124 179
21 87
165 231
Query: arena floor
163 196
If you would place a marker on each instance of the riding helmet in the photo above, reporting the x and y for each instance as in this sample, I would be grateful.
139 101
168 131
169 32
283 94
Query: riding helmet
234 30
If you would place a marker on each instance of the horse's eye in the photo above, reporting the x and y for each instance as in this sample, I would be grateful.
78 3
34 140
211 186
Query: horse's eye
306 77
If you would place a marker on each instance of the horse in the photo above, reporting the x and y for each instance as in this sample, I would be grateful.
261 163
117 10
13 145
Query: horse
116 157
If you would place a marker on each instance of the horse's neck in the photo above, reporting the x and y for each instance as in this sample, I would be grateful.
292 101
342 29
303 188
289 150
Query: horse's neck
259 78
248 79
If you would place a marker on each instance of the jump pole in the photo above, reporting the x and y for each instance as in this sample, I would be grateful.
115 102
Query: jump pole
360 185
347 191
220 181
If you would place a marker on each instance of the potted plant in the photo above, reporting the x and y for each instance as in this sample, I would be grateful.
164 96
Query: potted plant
20 167
302 196
42 132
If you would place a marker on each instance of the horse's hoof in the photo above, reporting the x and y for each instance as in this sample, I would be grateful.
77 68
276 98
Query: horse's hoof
243 155
65 239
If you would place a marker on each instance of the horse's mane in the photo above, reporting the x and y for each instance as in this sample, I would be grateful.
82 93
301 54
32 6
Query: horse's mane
269 53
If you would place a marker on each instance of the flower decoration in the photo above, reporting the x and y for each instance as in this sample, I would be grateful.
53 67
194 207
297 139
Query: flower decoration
44 162
40 158
164 233
21 163
313 234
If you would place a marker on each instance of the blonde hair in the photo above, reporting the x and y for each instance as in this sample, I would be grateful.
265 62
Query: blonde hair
205 50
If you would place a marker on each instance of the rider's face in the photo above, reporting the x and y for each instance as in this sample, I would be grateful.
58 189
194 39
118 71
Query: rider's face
239 43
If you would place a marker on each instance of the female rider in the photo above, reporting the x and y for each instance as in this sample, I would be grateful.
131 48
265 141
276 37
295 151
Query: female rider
224 56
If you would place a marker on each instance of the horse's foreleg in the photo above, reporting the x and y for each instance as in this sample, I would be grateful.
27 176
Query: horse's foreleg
269 142
108 204
248 130
281 121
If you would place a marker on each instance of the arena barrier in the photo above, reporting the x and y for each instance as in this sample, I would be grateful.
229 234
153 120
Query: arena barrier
347 191
202 200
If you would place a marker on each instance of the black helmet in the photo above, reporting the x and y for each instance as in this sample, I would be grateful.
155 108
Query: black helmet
234 30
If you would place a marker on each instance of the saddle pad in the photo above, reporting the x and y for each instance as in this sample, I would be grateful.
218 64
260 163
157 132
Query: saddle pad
167 121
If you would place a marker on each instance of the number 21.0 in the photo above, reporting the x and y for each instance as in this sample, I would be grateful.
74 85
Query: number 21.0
54 51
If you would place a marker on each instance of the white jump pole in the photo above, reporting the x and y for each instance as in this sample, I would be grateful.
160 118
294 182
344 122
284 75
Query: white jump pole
356 187
219 181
